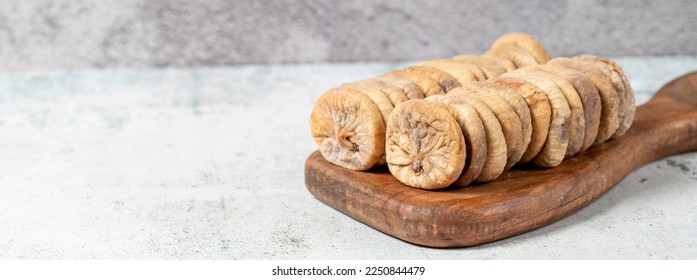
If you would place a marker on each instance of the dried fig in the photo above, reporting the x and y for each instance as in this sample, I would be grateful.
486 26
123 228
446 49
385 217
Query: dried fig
525 42
509 120
445 80
462 73
425 147
577 126
513 98
520 57
495 141
348 129
428 85
589 97
492 67
625 87
410 89
474 134
377 96
554 149
540 113
476 70
615 81
609 114
393 93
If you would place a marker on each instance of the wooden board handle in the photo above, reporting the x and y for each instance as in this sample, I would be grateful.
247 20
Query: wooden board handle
664 126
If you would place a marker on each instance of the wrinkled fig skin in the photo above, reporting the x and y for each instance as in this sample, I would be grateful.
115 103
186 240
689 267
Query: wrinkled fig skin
616 83
496 153
520 107
474 134
476 71
462 73
577 125
491 66
609 114
540 113
394 93
348 129
425 147
410 89
611 76
589 97
426 84
377 96
554 149
629 107
446 81
520 57
504 112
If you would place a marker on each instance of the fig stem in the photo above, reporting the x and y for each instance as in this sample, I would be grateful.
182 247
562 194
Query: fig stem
416 166
345 140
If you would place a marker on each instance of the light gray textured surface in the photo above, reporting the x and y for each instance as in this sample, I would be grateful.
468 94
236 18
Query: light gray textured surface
208 163
68 34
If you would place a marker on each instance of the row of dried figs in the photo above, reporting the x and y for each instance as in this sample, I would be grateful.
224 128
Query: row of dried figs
540 114
348 122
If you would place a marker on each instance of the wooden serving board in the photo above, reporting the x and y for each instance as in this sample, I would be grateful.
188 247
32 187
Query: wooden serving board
521 199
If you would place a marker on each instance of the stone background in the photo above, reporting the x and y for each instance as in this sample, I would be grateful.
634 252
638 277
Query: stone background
68 34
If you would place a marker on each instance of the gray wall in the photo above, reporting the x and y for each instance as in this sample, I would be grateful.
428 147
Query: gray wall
65 34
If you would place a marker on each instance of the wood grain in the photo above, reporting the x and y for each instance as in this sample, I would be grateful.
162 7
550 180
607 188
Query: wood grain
521 199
